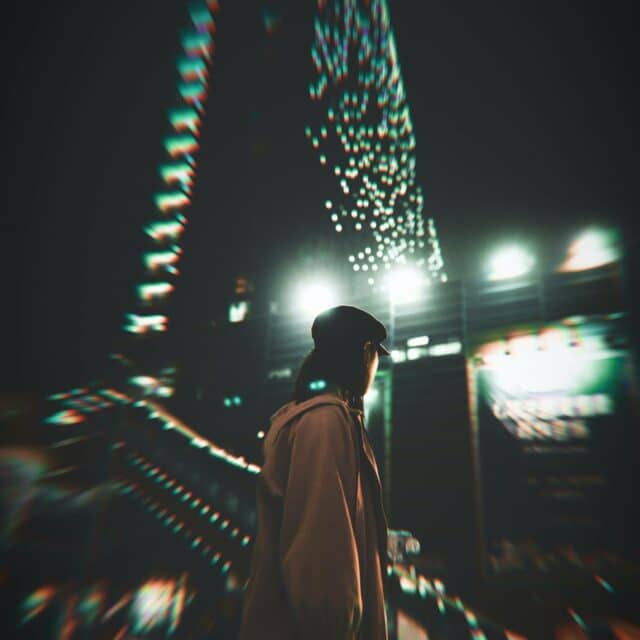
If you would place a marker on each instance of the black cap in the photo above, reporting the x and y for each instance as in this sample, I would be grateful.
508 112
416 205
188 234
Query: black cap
344 325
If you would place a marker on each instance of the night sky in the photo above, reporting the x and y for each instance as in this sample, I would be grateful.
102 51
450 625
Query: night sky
522 111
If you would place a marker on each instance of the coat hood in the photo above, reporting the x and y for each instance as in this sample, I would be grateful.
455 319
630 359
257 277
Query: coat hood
292 410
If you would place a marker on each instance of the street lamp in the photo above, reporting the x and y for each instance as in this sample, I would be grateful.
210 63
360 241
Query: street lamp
509 262
593 248
405 284
311 298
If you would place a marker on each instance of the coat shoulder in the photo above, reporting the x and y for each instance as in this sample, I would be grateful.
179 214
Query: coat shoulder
322 420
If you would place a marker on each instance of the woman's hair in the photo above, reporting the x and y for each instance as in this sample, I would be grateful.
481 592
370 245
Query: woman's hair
345 369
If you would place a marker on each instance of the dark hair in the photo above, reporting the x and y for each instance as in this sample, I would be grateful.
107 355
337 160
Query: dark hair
344 369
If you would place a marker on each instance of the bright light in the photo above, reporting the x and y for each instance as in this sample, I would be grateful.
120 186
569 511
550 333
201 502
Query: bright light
313 298
371 399
561 370
509 262
404 285
151 606
238 311
591 249
317 385
280 374
372 395
446 349
415 353
418 341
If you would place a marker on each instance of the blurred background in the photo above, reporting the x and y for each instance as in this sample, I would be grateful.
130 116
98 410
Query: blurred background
188 183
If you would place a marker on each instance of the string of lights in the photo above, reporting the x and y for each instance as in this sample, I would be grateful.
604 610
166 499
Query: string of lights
417 584
156 412
177 171
204 509
176 525
81 402
81 407
365 138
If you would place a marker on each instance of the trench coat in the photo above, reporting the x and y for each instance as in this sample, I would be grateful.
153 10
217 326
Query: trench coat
320 554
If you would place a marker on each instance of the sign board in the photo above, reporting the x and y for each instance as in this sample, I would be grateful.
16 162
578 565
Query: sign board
556 446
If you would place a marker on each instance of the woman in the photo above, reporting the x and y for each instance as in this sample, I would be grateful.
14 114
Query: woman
320 553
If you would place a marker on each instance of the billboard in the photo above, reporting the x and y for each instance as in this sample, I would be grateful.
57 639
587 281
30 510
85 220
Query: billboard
555 435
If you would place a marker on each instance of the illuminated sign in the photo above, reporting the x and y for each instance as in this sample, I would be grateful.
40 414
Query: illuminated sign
552 418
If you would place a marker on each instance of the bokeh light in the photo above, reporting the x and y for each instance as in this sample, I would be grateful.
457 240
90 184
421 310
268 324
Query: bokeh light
363 135
313 297
509 262
593 248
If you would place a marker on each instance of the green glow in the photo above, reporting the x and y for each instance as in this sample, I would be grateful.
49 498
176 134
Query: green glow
190 68
317 385
180 172
201 15
194 41
184 119
142 324
605 585
238 311
472 621
164 229
180 144
232 401
194 90
154 290
171 200
578 619
155 259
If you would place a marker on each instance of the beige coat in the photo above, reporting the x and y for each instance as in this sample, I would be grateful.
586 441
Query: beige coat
320 554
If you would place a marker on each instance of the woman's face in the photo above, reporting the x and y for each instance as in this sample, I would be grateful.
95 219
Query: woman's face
371 359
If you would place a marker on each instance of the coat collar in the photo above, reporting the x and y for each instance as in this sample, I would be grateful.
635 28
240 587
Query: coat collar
292 410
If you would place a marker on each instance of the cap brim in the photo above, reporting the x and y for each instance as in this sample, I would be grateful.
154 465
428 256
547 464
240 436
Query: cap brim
383 351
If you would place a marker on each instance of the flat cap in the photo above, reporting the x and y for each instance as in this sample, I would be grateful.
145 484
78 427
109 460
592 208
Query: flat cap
345 326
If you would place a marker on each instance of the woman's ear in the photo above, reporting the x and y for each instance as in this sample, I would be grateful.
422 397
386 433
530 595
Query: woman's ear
368 351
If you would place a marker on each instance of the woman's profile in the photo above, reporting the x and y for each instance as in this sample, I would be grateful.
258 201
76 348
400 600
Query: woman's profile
320 552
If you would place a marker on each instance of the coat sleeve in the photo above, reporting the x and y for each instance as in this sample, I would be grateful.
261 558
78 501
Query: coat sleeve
318 550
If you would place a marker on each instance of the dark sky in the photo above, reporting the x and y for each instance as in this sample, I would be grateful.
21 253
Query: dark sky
522 112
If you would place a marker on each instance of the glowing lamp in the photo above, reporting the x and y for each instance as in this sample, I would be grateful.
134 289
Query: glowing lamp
590 250
404 285
315 297
192 68
509 262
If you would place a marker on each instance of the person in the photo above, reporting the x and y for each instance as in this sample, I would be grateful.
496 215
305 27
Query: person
320 552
